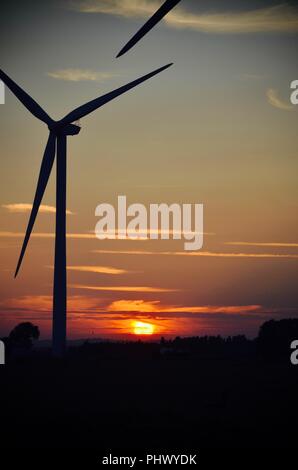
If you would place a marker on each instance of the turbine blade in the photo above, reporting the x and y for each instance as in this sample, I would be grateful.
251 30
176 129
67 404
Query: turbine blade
25 99
91 106
45 171
156 18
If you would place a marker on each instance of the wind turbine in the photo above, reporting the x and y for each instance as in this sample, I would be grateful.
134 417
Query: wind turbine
165 8
59 130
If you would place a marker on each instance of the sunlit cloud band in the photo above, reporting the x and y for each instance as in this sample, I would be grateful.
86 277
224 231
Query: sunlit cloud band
207 254
144 289
281 18
80 75
22 207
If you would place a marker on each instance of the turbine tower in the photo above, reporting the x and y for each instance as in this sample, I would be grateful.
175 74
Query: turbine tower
165 8
57 144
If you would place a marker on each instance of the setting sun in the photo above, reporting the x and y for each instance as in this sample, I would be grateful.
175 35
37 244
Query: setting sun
140 328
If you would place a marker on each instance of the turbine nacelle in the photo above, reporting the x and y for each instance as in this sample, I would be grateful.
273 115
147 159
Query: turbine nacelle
64 129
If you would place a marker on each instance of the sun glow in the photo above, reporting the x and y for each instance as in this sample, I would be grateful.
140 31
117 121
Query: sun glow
140 328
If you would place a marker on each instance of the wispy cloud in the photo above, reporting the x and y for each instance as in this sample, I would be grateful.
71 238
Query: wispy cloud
264 244
92 305
133 306
281 18
91 235
80 75
126 8
146 234
276 101
208 254
24 207
98 270
44 304
156 307
77 236
144 289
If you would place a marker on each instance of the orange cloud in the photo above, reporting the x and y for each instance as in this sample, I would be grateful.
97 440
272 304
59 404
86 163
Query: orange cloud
123 288
236 255
44 303
97 269
77 236
143 235
82 304
208 254
33 303
133 306
21 208
143 306
264 244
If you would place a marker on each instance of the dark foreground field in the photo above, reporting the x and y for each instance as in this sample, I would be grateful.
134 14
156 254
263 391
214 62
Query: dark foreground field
148 403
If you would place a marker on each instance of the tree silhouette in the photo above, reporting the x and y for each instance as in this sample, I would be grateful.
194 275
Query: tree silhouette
23 335
275 338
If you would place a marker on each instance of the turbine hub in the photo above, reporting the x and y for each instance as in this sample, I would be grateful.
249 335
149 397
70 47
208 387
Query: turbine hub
68 129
